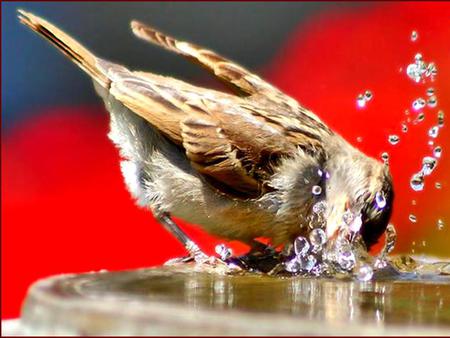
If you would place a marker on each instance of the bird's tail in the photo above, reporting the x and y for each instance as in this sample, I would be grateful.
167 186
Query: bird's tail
66 44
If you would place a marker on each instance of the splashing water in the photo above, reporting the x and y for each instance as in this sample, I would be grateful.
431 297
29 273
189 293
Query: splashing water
437 152
362 99
319 207
364 273
432 102
417 182
420 70
412 218
223 251
440 119
418 103
393 139
318 237
316 190
344 253
301 246
433 132
428 165
420 118
355 226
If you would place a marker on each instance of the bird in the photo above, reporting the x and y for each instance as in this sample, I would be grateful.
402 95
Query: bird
246 164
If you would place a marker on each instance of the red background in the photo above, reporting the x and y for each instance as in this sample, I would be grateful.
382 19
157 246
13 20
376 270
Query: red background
64 205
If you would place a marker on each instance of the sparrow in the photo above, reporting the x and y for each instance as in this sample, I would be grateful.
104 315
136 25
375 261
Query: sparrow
243 165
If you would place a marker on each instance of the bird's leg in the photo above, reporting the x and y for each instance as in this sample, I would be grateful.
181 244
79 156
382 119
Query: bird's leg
194 251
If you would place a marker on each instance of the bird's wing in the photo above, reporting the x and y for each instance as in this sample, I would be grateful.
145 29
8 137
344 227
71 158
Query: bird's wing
232 74
235 76
233 142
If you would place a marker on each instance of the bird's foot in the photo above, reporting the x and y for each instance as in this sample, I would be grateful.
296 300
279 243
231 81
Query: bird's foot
202 261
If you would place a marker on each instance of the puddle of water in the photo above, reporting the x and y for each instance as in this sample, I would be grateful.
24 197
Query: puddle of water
416 300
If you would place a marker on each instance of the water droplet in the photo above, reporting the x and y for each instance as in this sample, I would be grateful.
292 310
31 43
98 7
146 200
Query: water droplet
437 152
440 118
430 143
420 70
394 139
319 207
355 226
440 224
385 157
301 246
438 185
359 139
223 251
412 218
318 237
404 128
424 243
428 165
431 70
432 101
380 263
418 104
380 200
319 269
307 263
368 95
292 266
430 91
417 182
420 117
414 202
433 132
346 259
316 190
414 36
361 101
364 273
413 72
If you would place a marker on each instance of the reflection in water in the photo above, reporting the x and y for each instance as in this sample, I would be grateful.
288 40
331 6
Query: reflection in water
330 300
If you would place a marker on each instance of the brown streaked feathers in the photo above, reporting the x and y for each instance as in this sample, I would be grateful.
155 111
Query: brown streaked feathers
233 141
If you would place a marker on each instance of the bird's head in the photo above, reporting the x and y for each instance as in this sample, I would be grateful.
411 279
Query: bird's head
377 207
362 188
